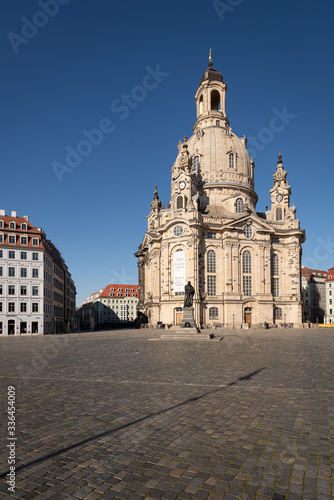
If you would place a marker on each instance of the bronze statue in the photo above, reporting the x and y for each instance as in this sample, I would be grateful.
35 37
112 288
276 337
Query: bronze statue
188 295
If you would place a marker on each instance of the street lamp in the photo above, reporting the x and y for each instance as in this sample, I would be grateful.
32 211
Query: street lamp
233 320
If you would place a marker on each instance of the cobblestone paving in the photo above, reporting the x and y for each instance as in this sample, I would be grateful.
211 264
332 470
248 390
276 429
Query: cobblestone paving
124 415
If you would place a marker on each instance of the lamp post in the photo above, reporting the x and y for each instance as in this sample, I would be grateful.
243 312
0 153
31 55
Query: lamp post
233 320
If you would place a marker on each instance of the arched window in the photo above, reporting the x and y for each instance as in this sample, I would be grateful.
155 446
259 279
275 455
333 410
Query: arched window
231 160
239 206
275 275
215 100
201 105
247 272
211 261
213 313
217 123
196 164
279 213
179 202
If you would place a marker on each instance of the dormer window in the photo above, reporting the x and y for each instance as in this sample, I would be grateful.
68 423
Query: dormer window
119 289
111 294
24 226
179 202
239 206
279 213
1 223
12 225
231 162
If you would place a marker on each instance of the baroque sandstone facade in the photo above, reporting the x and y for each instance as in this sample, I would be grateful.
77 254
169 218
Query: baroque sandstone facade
245 266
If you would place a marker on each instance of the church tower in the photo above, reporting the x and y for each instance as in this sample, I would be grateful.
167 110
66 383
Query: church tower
244 265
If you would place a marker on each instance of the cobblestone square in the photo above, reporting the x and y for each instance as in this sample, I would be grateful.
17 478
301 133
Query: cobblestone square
125 415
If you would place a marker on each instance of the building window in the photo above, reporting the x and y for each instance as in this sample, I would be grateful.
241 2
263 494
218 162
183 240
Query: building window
23 272
215 100
278 313
239 206
35 273
35 290
279 213
34 256
1 238
11 254
23 290
35 307
213 313
35 242
211 284
23 307
24 255
11 272
231 160
11 239
211 236
275 275
12 225
24 226
211 261
217 123
0 306
247 273
24 240
275 240
178 230
179 202
197 165
1 254
11 307
1 268
1 223
1 290
11 289
248 232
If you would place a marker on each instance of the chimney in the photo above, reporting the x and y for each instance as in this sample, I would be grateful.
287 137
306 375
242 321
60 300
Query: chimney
2 212
14 214
26 217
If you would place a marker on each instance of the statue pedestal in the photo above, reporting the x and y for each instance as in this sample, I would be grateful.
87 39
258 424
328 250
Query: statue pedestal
188 324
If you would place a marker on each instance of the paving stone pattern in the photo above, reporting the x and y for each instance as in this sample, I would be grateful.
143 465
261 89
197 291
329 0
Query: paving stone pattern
123 414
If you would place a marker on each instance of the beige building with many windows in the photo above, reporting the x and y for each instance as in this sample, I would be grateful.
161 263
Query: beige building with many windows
245 266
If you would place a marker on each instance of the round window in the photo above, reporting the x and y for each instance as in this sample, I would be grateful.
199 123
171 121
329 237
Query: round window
248 232
178 230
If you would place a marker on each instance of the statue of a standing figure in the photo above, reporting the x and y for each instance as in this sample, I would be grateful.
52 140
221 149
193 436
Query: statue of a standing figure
188 295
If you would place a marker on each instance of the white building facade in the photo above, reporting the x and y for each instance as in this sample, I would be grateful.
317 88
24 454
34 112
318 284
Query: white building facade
329 319
29 303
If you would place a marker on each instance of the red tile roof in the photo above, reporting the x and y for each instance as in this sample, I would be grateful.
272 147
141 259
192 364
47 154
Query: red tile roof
120 289
330 274
313 272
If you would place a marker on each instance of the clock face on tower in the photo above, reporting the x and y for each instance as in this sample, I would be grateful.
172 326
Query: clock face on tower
279 198
182 184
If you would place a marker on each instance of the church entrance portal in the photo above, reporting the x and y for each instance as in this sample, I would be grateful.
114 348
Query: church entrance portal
178 316
248 315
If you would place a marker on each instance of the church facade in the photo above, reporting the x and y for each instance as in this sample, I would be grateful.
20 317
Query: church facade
245 266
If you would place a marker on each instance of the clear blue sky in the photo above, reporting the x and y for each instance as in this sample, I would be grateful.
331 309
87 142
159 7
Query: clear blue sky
63 77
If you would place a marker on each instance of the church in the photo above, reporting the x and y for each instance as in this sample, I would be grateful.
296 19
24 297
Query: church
244 265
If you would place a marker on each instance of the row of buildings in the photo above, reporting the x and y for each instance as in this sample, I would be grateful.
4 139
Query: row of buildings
317 294
37 293
113 306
